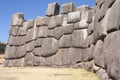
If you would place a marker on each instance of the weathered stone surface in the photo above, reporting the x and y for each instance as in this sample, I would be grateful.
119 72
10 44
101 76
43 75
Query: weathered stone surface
88 55
29 46
28 61
111 19
83 24
90 16
29 36
80 38
68 28
14 30
42 32
17 41
55 21
17 19
53 9
91 28
99 56
68 7
90 39
10 52
36 61
75 55
38 42
83 8
30 24
49 47
36 51
9 63
104 7
24 28
74 17
102 74
11 40
19 62
65 41
49 61
20 52
23 39
41 21
112 54
58 32
61 57
35 32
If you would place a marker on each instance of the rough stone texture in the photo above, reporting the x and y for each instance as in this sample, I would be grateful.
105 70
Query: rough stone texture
65 41
28 61
83 8
68 28
75 55
49 47
10 52
29 36
29 46
53 9
74 17
14 30
99 56
55 21
112 54
80 38
58 32
38 42
36 51
42 32
68 7
11 40
60 58
41 21
36 61
20 52
17 19
30 24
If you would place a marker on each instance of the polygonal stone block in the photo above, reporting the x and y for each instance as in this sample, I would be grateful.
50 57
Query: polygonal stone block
68 29
42 32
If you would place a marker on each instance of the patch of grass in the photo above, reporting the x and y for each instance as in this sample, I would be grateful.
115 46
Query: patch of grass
42 73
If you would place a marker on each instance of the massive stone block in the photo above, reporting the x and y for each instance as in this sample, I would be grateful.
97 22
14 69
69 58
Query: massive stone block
75 55
11 40
99 56
41 21
55 21
49 47
68 7
112 54
14 30
10 52
29 46
42 32
53 9
74 17
36 51
65 41
30 24
80 38
83 8
61 57
111 19
29 59
20 51
17 19
29 36
38 42
68 28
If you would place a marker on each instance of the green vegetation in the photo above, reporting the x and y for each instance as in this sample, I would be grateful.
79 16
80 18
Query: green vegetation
2 48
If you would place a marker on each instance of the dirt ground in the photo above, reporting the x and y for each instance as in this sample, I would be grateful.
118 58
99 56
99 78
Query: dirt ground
44 73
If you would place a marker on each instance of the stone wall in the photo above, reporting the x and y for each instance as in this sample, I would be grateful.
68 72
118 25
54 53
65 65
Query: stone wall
77 37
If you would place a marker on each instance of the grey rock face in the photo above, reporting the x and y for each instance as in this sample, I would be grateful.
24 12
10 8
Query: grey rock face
41 21
83 8
29 46
29 36
11 40
53 9
38 42
36 61
58 32
17 19
65 41
61 57
99 56
80 38
42 32
14 30
112 56
75 55
10 52
74 17
30 24
68 7
68 28
20 52
49 47
28 61
36 51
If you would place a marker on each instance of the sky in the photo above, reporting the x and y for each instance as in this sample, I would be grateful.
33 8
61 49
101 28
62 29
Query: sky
30 8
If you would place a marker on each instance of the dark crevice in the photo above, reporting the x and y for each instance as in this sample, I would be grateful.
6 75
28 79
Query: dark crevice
111 4
113 30
101 5
101 18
